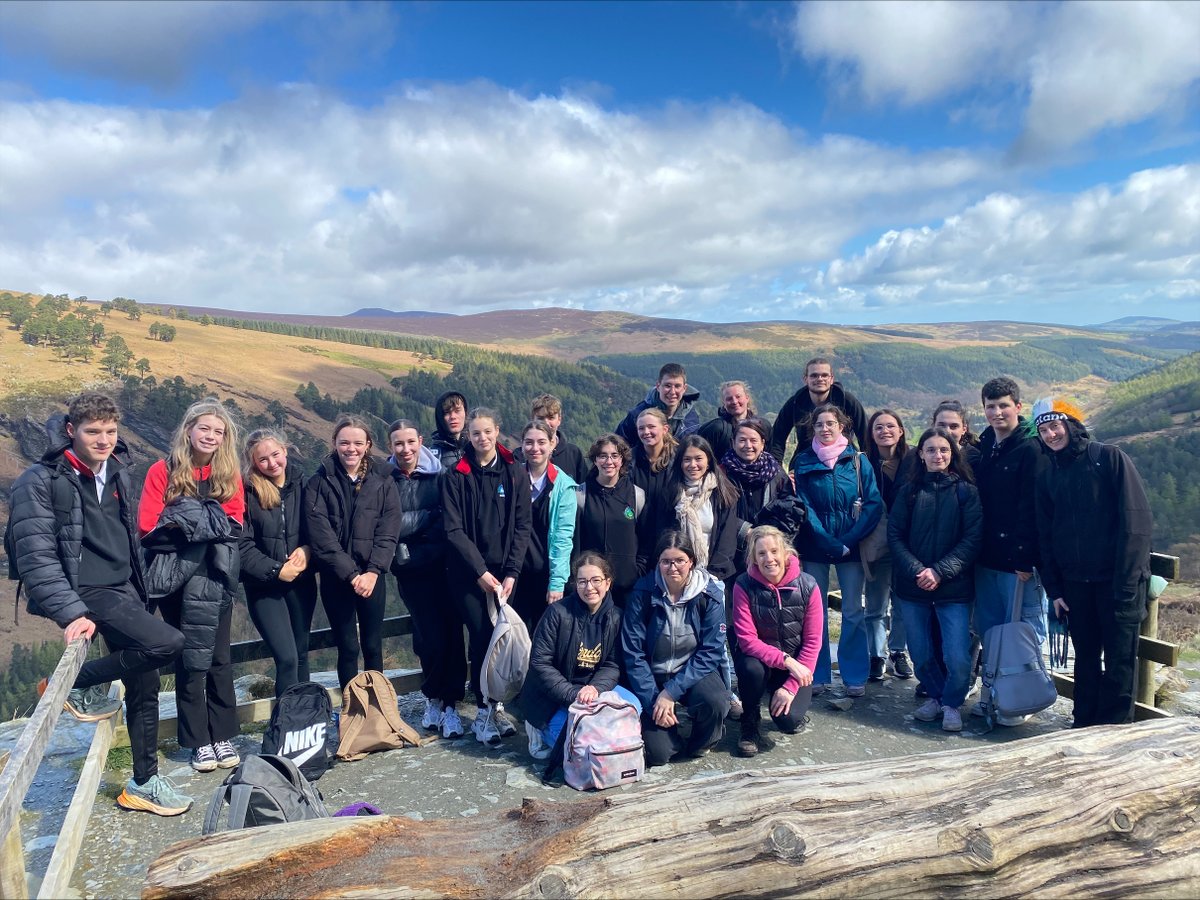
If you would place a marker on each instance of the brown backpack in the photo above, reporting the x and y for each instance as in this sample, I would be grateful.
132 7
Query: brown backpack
370 718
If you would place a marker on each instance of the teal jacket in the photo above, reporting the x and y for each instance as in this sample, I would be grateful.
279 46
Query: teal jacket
830 495
561 540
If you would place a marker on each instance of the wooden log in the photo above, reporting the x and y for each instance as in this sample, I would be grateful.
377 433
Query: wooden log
57 880
1110 811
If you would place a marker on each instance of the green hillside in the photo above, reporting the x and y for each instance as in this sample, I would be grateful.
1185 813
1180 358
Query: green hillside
1161 398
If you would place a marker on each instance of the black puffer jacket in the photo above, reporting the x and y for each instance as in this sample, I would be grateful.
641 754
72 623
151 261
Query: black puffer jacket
422 533
47 556
270 536
194 549
938 528
347 545
556 643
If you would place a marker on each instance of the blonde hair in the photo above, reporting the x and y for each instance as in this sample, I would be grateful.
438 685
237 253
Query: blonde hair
262 486
224 479
349 420
669 446
758 532
745 390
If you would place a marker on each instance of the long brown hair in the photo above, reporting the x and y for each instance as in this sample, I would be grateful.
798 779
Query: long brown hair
263 487
349 420
224 478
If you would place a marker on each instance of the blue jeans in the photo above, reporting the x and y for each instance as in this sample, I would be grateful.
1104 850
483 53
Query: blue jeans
994 601
885 631
853 660
558 721
947 682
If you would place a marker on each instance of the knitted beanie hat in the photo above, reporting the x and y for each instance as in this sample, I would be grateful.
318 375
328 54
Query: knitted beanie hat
1055 409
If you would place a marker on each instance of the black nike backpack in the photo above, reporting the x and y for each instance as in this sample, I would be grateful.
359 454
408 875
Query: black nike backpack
299 729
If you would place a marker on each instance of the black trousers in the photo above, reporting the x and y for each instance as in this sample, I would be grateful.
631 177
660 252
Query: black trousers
754 681
437 634
285 621
205 703
471 605
707 704
345 609
1105 635
138 643
529 597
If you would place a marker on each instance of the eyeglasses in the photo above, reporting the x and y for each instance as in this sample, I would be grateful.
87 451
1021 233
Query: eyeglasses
607 457
597 582
674 563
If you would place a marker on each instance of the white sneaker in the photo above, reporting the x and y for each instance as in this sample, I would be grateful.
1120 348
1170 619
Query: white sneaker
1011 721
929 711
452 726
951 719
504 722
485 727
538 748
432 720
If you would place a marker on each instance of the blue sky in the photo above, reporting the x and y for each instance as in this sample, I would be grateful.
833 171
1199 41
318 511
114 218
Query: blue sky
851 162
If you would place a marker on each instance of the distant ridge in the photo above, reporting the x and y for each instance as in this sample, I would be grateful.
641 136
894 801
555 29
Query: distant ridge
1136 323
376 312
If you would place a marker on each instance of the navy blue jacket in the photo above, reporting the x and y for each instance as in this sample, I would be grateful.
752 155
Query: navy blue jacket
642 623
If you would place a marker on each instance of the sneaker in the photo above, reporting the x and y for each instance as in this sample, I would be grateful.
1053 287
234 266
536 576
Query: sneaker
204 759
1011 721
432 719
87 704
452 726
156 796
929 711
901 667
748 745
920 691
978 710
878 665
504 722
227 757
856 690
819 689
485 728
735 707
538 748
951 719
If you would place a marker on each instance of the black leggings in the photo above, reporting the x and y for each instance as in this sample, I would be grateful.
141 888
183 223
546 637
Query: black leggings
205 702
138 644
755 680
1105 635
285 621
471 604
343 607
437 634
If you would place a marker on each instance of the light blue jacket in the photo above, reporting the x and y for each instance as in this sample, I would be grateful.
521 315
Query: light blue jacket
561 540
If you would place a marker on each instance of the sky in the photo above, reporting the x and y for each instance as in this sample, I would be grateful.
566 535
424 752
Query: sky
839 162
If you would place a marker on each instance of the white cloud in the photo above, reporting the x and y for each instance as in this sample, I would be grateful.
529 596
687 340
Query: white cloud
1077 67
439 197
1131 244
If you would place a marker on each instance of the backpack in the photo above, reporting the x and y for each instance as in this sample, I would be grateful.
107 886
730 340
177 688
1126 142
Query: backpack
264 790
603 746
299 728
506 663
1015 680
371 719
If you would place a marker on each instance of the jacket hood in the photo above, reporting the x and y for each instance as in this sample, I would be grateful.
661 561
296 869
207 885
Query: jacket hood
697 584
579 608
465 464
440 423
791 572
427 463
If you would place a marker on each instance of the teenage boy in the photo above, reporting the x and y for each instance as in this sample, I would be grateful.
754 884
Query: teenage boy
85 574
1006 474
1094 522
567 457
672 395
736 404
819 388
448 442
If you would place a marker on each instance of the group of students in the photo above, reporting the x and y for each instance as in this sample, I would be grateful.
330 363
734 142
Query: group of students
629 564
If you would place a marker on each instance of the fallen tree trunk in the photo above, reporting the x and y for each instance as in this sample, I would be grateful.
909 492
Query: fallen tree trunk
1111 811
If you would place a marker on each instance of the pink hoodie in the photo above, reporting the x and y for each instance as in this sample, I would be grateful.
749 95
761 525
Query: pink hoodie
771 656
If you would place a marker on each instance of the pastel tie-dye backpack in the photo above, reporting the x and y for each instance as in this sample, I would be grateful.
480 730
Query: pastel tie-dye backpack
603 746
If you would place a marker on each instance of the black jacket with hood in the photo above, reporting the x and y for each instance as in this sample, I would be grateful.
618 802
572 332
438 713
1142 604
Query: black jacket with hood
1094 521
46 554
442 444
796 410
937 525
364 541
684 421
421 531
1007 479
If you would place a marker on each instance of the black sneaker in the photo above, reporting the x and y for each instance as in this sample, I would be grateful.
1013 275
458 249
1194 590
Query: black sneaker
900 665
877 666
748 745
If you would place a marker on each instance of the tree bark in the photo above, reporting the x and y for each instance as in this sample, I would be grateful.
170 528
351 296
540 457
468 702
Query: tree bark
1112 811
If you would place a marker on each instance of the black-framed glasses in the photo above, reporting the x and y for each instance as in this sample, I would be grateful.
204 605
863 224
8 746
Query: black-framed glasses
597 582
